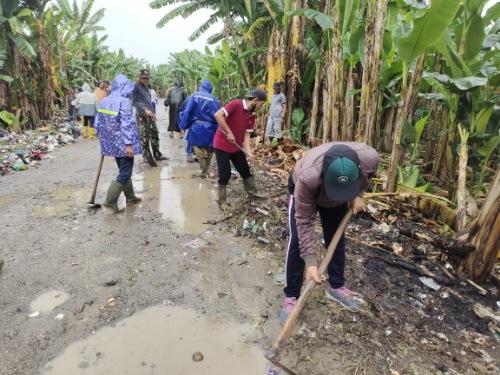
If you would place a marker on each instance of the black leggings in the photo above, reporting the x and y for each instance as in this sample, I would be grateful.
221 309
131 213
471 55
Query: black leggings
239 161
88 121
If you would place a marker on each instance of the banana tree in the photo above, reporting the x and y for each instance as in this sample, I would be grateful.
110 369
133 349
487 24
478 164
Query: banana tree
368 109
428 29
16 49
467 88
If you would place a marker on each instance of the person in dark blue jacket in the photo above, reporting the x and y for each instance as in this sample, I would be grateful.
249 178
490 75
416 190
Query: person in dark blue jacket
198 116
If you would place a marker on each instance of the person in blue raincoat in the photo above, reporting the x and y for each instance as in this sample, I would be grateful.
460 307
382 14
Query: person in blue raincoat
119 137
198 116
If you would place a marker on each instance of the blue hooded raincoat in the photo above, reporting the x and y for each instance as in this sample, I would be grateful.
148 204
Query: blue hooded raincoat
115 123
197 115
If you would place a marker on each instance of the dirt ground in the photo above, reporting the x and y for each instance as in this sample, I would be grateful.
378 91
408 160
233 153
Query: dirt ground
157 290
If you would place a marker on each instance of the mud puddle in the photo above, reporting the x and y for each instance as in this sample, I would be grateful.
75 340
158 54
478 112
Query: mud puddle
48 301
184 200
64 200
163 340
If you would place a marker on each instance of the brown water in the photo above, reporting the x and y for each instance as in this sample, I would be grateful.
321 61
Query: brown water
185 201
48 301
66 199
162 340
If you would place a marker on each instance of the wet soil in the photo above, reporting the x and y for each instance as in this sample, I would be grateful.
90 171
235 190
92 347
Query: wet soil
157 290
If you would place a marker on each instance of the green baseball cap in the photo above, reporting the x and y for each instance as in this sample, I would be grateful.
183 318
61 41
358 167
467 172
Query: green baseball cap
341 173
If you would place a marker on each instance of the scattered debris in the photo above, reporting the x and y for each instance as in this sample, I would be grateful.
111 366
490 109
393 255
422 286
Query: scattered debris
198 357
486 313
430 283
59 317
34 314
196 243
19 151
263 240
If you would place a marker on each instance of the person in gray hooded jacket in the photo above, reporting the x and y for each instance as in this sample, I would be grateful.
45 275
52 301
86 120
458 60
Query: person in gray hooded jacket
86 103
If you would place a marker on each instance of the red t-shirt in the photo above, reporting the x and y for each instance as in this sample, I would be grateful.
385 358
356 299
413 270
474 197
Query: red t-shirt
239 121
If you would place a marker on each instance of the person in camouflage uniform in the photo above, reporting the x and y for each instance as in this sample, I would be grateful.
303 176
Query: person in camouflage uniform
141 100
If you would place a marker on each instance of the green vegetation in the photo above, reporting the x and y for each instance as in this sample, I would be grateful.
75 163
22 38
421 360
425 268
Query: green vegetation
418 80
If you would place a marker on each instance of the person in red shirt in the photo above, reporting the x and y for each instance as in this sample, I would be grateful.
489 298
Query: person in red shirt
232 141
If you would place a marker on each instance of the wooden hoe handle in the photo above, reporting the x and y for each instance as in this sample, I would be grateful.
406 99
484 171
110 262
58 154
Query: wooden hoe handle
94 191
291 322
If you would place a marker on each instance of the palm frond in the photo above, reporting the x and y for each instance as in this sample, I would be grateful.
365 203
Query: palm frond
172 14
257 25
215 38
157 4
212 20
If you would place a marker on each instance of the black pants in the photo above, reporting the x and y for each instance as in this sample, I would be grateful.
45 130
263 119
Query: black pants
125 167
239 161
88 121
294 264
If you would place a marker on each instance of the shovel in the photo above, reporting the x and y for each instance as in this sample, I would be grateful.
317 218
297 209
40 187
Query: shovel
92 204
289 326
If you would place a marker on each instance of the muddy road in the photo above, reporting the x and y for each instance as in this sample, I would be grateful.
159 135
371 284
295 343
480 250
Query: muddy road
164 284
156 290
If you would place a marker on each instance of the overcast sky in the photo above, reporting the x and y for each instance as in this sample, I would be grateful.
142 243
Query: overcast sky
131 25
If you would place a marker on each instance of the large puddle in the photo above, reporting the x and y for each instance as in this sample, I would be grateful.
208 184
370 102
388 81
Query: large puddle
163 340
185 201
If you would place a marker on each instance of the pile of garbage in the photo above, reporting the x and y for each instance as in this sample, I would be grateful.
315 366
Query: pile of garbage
19 151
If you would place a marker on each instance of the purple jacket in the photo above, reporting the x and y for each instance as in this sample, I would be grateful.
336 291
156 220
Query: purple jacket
115 123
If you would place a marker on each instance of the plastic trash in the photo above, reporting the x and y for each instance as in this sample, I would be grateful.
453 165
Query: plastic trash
430 283
19 165
272 371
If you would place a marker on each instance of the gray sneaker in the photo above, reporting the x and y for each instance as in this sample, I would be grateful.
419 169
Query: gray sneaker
343 296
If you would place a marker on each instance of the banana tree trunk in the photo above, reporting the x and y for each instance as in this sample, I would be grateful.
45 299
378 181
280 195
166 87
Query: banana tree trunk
374 31
406 103
47 83
326 123
349 107
336 88
318 79
275 59
463 158
295 43
21 70
4 95
388 129
441 147
484 234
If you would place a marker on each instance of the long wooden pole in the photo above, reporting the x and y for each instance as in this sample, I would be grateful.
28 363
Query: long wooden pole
291 322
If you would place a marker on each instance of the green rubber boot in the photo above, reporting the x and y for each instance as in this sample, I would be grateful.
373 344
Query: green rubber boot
128 190
222 197
114 191
250 188
204 165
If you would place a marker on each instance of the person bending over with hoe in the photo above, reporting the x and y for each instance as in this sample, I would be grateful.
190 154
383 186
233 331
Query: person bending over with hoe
119 137
198 117
232 142
329 179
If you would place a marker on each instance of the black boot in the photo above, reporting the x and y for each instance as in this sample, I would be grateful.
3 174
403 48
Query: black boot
149 158
158 155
